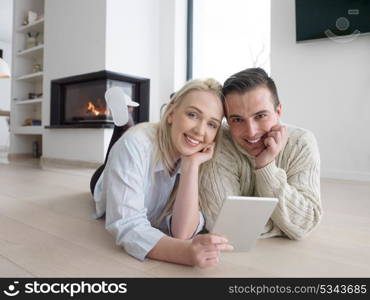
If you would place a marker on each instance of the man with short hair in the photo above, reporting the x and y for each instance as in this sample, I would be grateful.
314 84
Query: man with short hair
259 156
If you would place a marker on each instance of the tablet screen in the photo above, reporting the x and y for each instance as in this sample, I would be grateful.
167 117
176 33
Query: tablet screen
242 219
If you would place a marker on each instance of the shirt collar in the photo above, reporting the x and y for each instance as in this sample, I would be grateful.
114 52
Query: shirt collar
160 167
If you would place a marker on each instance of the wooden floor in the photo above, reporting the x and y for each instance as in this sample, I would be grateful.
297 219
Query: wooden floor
46 230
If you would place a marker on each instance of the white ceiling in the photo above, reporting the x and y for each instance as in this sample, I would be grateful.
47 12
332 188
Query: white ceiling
6 17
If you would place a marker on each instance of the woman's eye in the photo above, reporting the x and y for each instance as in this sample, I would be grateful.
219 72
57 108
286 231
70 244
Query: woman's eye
213 125
192 115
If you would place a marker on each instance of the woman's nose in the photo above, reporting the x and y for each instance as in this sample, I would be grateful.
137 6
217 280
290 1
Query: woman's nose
200 128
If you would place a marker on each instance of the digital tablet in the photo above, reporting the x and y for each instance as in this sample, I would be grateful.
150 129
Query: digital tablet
242 220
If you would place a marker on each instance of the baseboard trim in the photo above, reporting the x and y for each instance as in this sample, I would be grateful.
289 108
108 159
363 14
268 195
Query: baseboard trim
15 156
345 175
47 161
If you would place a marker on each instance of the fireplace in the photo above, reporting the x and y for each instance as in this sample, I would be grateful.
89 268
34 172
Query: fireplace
78 101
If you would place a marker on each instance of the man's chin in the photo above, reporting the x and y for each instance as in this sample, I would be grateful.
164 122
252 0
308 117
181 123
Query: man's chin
254 152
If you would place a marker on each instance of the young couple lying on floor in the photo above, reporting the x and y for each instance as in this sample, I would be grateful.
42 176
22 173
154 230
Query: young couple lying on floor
162 184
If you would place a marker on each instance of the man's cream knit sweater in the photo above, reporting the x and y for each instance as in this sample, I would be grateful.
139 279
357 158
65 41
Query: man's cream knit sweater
293 178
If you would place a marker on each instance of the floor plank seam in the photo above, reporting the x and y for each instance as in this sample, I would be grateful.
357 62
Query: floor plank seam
96 251
14 263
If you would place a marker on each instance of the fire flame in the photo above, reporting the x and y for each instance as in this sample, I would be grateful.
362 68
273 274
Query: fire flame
91 108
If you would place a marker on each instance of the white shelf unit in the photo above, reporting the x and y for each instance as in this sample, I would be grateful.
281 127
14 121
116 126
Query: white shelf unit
28 101
28 130
37 25
33 77
33 52
27 79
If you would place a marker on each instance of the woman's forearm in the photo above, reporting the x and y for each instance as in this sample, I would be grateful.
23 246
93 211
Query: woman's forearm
172 250
202 251
185 215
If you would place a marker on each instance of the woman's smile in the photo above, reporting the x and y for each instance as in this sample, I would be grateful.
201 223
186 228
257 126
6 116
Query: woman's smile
191 141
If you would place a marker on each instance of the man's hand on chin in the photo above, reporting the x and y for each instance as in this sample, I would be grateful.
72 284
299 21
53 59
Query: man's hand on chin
274 143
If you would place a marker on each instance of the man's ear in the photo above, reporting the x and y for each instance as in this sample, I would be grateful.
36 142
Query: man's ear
279 110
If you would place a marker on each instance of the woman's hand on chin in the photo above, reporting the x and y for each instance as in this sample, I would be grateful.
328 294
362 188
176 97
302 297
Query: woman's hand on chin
199 157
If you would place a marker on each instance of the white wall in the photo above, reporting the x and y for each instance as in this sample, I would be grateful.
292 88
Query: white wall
230 36
324 87
74 45
74 40
5 97
141 37
6 25
6 20
172 50
180 55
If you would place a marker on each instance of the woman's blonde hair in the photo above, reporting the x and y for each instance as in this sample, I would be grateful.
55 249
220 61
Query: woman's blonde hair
165 150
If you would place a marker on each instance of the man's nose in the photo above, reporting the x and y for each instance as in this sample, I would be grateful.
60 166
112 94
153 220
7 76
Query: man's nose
250 129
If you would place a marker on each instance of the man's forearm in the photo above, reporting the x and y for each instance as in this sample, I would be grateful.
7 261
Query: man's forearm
299 208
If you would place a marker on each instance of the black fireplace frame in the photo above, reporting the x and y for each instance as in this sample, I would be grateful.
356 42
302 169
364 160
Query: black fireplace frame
142 87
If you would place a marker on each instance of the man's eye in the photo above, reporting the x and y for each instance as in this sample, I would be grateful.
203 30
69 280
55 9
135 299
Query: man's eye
236 120
260 116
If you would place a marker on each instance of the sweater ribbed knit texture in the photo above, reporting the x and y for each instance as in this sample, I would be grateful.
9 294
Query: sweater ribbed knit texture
293 177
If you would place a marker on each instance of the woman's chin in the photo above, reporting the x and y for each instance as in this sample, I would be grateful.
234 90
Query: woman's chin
185 151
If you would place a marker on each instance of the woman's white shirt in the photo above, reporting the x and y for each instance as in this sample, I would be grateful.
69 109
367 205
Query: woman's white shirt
132 193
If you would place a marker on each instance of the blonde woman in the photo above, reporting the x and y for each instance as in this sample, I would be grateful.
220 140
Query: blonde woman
151 209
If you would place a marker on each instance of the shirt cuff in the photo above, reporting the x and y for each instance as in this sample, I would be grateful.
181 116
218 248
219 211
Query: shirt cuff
153 239
168 224
141 243
267 175
200 225
137 238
